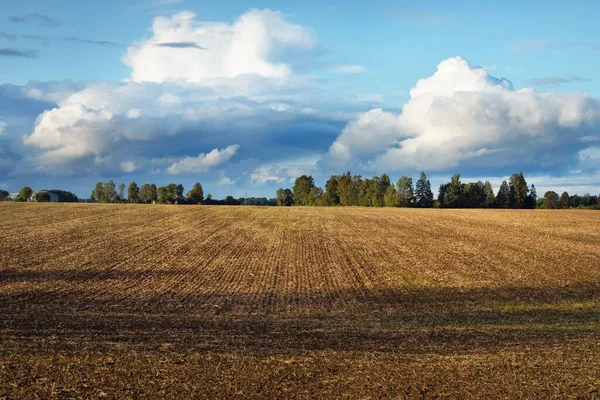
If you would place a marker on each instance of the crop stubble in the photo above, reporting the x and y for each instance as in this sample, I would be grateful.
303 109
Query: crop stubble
134 300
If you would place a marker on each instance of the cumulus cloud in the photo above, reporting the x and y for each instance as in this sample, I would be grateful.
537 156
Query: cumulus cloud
203 162
259 42
226 181
3 126
282 172
128 166
462 115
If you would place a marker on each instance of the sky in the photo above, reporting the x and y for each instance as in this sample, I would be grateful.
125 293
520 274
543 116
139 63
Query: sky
245 97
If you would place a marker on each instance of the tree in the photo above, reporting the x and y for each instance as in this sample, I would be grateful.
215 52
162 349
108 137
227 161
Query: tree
363 193
503 197
121 192
42 197
551 200
109 192
490 199
170 194
423 194
148 193
532 197
518 190
24 194
406 192
384 183
347 192
390 199
196 194
98 193
230 201
301 190
285 198
331 191
3 194
454 193
474 195
315 196
442 195
133 192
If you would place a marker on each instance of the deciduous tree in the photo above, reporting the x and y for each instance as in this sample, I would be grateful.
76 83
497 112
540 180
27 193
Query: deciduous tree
196 194
24 193
133 192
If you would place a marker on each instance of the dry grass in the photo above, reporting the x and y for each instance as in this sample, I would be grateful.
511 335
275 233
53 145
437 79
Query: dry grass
126 301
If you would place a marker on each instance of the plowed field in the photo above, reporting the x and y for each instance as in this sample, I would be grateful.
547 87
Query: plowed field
134 301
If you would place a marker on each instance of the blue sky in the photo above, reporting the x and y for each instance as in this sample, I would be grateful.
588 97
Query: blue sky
244 96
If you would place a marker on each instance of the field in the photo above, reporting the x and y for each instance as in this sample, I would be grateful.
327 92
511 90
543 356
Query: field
133 301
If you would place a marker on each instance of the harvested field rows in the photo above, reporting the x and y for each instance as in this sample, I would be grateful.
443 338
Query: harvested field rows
170 301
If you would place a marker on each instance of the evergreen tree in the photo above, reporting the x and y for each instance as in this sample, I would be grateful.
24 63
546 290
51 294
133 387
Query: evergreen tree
423 194
518 190
442 195
331 190
490 199
503 197
454 193
532 197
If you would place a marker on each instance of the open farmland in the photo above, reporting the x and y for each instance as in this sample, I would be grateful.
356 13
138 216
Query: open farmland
124 301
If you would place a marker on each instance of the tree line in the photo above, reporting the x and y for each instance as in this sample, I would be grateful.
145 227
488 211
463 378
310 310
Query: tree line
342 190
380 191
148 193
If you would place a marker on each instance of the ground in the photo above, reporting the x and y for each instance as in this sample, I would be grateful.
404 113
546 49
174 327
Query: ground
137 301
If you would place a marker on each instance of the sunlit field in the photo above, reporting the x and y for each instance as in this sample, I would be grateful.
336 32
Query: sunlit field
124 301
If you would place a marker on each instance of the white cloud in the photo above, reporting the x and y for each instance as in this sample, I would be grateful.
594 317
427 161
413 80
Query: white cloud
128 166
183 48
203 162
134 113
283 171
3 126
226 181
350 69
462 114
70 132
